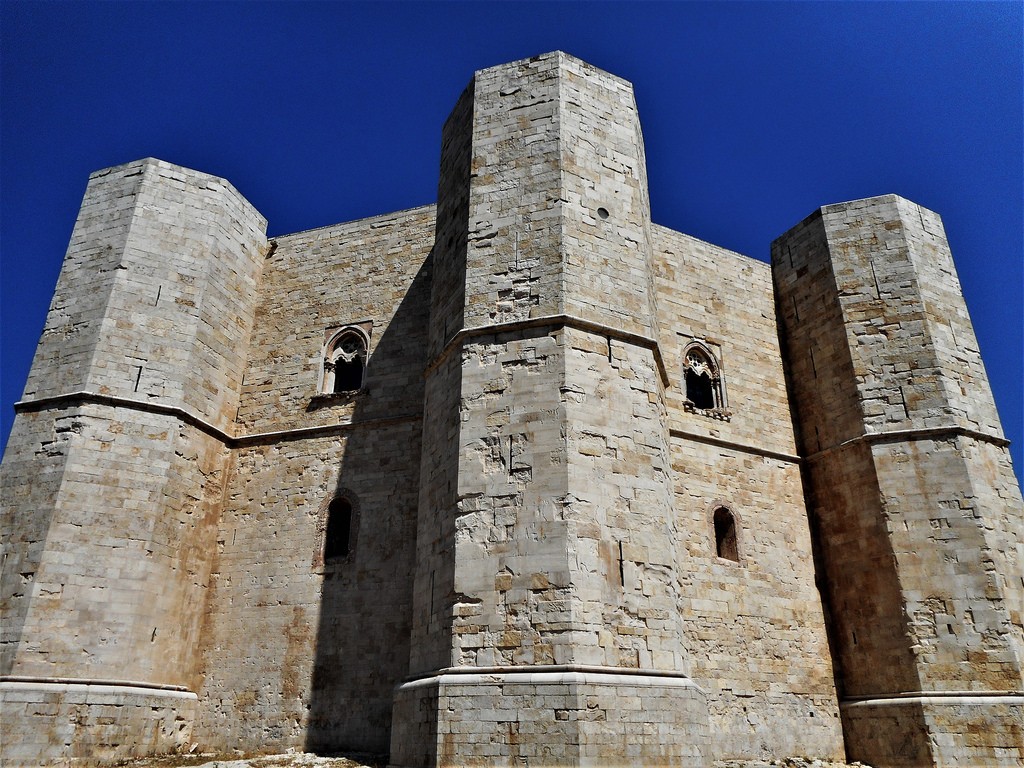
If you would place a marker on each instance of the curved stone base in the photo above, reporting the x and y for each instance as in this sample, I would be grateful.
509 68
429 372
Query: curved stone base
553 716
85 722
925 730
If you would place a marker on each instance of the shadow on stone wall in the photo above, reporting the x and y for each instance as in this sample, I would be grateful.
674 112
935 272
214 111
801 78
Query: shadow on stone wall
362 640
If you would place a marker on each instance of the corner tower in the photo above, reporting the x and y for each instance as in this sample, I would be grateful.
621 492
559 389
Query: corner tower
918 511
113 474
546 621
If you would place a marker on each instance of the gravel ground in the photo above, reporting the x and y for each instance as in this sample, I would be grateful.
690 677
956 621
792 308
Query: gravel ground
305 760
288 760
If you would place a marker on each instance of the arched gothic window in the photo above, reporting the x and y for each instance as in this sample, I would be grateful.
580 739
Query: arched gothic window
345 361
702 379
726 543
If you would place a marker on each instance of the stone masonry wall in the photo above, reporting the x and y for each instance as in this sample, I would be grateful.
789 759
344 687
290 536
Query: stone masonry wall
159 256
605 210
753 628
868 622
920 514
135 458
173 493
513 266
557 494
315 675
73 724
532 573
433 575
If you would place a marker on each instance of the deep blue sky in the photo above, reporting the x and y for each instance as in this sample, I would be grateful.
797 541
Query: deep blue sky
753 115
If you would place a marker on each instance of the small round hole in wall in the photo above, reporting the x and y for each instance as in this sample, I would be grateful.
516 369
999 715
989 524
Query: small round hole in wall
602 212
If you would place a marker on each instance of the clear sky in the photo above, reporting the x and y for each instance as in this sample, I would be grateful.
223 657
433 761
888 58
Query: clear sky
753 116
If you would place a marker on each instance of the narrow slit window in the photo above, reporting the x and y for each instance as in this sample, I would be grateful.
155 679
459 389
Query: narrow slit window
726 545
337 539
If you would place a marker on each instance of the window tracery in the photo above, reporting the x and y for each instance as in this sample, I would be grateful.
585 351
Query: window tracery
345 361
702 380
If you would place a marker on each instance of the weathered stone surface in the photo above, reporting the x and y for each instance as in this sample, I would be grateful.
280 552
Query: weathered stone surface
575 509
921 522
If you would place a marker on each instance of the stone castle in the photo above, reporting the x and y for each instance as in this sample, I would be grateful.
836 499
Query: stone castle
519 478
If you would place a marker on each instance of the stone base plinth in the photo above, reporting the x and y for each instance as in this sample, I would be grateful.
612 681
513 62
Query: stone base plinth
549 716
89 723
979 730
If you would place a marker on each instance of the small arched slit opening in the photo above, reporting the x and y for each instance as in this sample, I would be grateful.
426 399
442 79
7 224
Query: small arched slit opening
726 543
338 534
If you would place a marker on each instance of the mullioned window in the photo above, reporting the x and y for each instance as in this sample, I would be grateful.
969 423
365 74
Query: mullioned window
344 365
703 384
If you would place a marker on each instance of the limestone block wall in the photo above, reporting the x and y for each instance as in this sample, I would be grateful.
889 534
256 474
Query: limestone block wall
909 335
371 273
109 560
623 554
560 441
451 241
605 213
512 577
920 515
300 652
157 258
434 571
534 570
754 628
723 299
114 594
513 261
35 449
303 653
555 718
82 724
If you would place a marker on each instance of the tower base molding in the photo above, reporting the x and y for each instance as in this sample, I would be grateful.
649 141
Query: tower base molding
979 729
549 715
89 722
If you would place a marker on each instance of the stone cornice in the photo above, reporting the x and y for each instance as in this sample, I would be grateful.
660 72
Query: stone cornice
73 399
719 442
911 435
553 322
24 680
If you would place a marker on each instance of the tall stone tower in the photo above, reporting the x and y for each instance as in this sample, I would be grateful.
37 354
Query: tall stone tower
115 465
545 578
911 488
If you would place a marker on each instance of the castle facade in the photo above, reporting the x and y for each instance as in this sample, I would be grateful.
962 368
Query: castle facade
519 478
